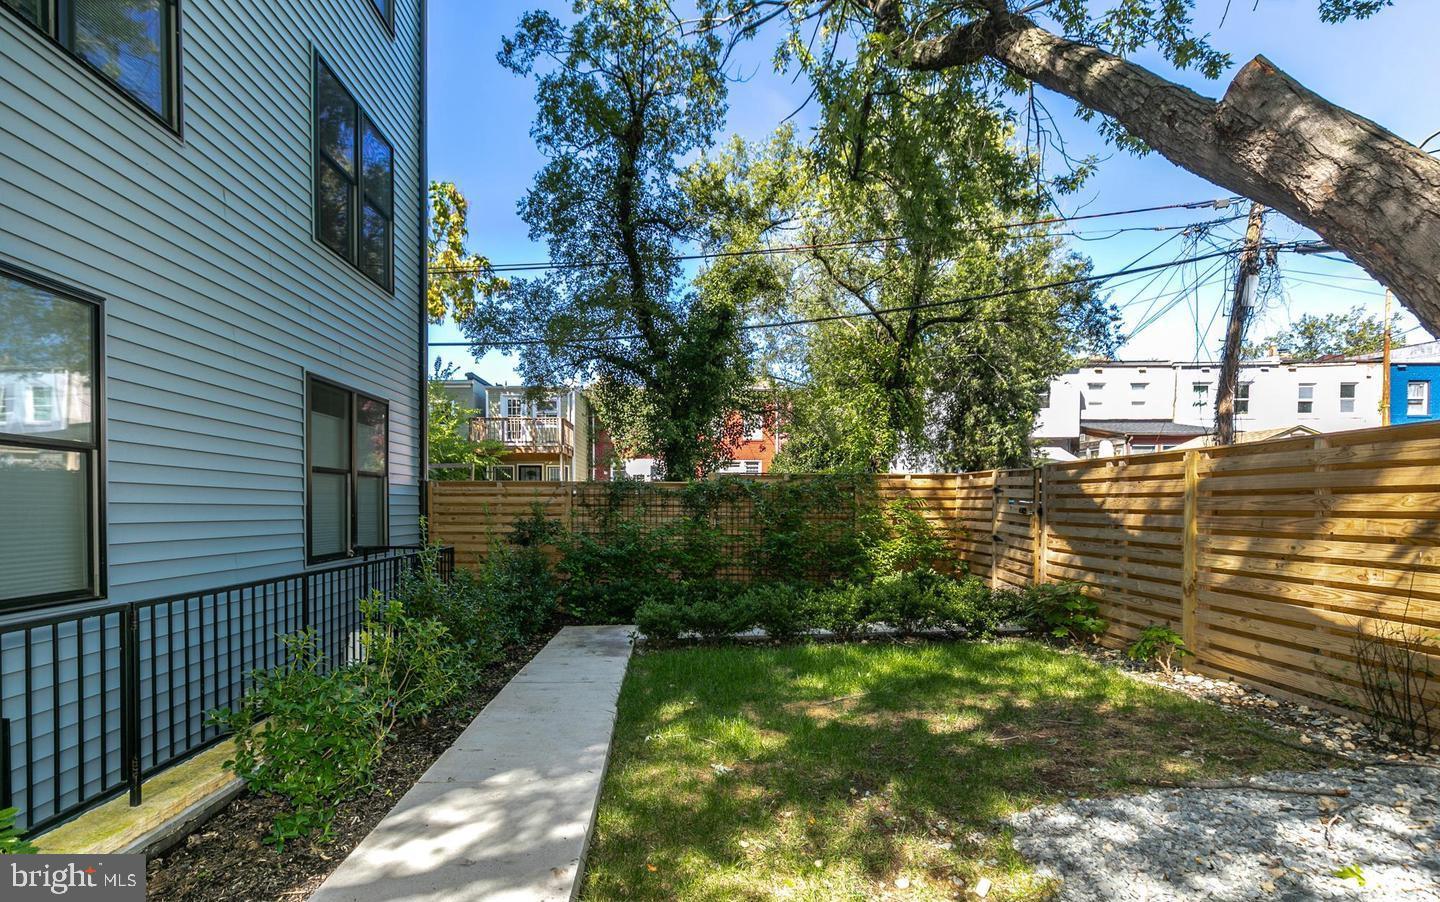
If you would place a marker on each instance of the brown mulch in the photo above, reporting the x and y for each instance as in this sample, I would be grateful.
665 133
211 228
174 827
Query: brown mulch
227 860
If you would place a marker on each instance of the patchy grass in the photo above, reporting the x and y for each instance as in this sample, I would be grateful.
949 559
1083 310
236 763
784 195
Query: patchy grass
861 771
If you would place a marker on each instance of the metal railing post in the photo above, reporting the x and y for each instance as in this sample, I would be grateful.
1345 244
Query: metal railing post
6 800
130 700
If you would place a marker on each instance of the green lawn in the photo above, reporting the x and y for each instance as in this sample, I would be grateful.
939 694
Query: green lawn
856 771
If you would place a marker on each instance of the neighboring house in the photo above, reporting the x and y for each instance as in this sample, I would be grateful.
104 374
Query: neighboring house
1117 407
546 434
212 326
1414 381
753 456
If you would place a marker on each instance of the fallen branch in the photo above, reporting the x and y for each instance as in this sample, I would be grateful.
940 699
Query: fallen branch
1339 792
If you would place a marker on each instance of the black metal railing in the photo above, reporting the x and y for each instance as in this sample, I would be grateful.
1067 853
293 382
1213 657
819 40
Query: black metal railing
94 702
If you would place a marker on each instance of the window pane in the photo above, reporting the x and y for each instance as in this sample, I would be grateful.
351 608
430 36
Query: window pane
329 427
125 39
334 120
378 167
370 450
34 10
332 208
329 513
47 362
375 246
370 511
48 549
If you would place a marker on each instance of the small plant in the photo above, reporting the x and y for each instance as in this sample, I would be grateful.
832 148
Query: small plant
907 542
321 736
1158 645
783 610
414 657
967 606
1397 675
1350 872
843 610
12 842
1062 611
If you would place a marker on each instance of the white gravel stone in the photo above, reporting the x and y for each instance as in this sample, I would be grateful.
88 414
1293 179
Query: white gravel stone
1240 844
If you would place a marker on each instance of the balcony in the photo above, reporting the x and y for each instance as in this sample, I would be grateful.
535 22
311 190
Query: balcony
542 435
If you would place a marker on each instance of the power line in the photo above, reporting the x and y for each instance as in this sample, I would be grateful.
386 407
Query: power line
1218 204
929 305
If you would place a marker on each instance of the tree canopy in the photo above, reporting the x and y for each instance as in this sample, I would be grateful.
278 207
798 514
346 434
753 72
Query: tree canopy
623 97
1311 337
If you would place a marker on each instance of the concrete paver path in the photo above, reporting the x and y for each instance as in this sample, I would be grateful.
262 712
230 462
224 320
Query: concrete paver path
506 812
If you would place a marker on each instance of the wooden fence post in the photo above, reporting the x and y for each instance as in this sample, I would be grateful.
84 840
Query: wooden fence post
1039 526
1190 579
995 539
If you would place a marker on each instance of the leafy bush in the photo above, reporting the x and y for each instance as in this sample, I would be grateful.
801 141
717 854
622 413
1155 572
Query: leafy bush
459 605
968 606
903 541
608 575
843 609
1061 611
11 842
1158 645
784 611
519 594
710 609
415 658
322 734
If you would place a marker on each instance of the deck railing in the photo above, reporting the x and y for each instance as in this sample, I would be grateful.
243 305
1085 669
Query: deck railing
549 434
94 702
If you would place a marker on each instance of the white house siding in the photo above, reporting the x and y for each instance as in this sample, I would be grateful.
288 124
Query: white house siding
218 300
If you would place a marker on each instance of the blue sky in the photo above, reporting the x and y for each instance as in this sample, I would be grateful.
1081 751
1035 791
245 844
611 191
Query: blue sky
1384 69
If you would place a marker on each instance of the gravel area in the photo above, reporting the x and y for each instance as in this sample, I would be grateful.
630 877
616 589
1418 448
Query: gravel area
1235 844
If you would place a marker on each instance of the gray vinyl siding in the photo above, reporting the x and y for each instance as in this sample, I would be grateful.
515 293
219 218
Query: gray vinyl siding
218 300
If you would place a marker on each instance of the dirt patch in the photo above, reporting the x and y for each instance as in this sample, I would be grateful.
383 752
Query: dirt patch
226 860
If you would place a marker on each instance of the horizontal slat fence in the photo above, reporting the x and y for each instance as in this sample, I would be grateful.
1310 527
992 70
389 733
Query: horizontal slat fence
1271 558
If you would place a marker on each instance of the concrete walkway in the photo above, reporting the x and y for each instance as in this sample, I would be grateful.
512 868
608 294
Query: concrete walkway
506 812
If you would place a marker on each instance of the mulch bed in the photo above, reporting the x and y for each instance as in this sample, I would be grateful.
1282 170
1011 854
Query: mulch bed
227 860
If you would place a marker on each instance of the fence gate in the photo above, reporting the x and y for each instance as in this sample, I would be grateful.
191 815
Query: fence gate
1012 532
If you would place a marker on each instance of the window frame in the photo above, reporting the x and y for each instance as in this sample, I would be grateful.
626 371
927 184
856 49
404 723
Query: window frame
356 191
352 475
59 21
387 18
1350 400
98 583
1242 398
1424 398
1302 403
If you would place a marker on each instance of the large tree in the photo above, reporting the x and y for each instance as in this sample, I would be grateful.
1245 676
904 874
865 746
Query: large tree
1362 188
623 97
1311 337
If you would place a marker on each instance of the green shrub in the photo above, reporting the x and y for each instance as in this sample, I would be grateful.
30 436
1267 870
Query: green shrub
1158 644
661 622
784 611
459 605
1062 611
607 575
11 841
711 609
414 657
843 609
968 606
519 594
903 541
908 602
322 735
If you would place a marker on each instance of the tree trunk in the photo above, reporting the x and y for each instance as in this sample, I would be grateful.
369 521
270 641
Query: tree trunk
1363 189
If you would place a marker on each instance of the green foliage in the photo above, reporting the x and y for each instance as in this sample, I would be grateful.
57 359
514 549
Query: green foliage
785 611
1061 611
709 609
906 541
449 432
1350 871
11 840
969 607
1311 337
623 95
321 736
520 594
414 660
458 279
1158 644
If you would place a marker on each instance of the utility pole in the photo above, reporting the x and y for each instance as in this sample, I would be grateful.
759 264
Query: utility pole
1385 368
1247 281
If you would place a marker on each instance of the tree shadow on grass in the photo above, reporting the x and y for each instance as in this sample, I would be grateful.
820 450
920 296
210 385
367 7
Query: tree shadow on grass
736 770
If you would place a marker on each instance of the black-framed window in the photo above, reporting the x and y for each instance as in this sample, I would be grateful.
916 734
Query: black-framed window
50 439
385 9
134 45
354 181
347 442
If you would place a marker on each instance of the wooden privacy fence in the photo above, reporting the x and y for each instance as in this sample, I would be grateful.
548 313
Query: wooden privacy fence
1271 558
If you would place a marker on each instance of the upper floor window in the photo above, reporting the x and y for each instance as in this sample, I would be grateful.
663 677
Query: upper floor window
386 10
1242 399
49 443
354 181
1305 402
1347 397
132 44
1417 398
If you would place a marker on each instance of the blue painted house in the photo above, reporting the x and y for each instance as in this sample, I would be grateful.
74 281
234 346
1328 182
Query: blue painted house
1414 380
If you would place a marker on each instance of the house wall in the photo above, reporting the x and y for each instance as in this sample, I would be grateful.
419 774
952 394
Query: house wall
218 300
1401 374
